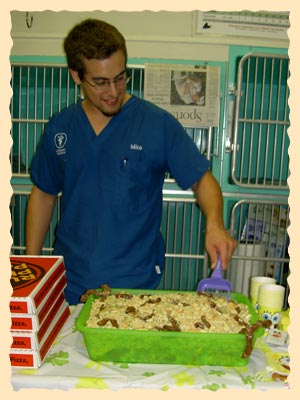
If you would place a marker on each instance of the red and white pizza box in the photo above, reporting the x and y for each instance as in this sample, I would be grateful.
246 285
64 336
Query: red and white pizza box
50 317
33 340
32 278
33 322
33 358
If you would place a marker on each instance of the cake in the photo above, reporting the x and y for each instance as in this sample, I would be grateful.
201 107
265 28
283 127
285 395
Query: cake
203 313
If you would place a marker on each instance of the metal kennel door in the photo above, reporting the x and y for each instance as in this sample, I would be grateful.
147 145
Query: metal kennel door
260 139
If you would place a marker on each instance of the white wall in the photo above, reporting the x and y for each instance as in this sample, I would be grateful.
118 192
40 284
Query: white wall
149 34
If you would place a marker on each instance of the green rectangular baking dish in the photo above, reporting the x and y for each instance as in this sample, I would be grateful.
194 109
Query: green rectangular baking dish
162 347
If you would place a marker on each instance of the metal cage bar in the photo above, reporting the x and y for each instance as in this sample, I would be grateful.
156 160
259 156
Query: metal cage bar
39 90
261 230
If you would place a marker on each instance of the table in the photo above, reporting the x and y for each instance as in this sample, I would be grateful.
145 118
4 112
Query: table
68 366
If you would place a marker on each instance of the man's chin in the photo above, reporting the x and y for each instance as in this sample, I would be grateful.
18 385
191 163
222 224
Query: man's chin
110 113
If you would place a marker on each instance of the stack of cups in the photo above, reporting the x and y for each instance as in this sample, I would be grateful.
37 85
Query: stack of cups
255 283
270 303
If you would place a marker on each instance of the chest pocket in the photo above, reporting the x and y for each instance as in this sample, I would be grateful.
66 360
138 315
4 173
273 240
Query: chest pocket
132 182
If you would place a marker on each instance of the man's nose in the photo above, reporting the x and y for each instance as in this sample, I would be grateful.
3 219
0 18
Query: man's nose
112 88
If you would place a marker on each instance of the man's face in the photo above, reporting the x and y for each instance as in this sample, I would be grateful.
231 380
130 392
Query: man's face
107 98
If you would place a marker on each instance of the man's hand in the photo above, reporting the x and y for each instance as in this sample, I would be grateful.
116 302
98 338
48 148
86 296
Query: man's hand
219 242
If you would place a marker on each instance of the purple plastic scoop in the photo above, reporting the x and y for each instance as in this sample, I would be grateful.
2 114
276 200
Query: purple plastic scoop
216 285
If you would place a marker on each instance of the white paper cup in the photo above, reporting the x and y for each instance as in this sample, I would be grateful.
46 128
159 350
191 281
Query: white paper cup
271 295
241 270
270 303
255 283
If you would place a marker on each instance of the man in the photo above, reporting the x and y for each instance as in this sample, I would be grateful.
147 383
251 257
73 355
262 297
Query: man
108 155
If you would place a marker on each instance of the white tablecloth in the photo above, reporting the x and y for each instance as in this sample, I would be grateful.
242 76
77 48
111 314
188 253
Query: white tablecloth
68 366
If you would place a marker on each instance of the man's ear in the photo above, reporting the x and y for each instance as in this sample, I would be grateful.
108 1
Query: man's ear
75 76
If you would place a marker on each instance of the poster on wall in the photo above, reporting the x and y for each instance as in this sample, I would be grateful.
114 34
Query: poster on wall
264 24
189 92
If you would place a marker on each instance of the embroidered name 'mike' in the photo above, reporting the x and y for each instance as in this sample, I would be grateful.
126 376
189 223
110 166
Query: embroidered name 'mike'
136 147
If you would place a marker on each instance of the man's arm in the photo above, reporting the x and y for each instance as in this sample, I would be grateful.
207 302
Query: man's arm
39 213
217 239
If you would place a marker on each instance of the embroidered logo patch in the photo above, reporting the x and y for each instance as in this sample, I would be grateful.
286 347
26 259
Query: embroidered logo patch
60 140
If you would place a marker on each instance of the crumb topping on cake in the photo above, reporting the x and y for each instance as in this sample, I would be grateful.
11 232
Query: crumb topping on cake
181 312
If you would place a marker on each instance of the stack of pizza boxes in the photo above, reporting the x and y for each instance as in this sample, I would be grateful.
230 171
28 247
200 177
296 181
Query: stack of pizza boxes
38 307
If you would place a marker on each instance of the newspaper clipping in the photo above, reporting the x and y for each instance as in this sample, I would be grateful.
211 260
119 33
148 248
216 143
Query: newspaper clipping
191 93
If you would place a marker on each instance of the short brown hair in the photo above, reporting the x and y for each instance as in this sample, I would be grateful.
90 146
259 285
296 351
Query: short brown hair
92 38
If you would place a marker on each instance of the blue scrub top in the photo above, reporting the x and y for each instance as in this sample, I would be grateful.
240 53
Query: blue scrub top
111 185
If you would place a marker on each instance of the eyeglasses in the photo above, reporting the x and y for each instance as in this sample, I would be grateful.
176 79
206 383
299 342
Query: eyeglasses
103 84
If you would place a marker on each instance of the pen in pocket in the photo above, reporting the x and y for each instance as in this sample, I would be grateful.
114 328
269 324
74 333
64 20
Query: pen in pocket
124 162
